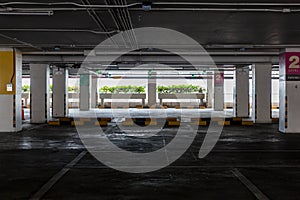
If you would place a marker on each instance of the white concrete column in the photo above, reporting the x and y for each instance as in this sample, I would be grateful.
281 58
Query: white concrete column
152 93
209 84
10 90
60 92
218 91
85 92
241 92
261 93
94 92
39 93
289 91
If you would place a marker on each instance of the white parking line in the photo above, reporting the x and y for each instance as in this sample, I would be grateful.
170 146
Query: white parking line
45 188
255 191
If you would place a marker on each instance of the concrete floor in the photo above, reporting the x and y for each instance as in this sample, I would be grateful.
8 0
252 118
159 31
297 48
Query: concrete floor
171 112
246 161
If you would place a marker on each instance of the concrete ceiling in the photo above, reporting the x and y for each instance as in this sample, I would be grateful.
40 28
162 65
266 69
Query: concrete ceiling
55 27
79 28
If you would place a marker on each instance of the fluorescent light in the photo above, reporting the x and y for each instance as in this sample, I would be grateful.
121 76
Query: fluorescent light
40 13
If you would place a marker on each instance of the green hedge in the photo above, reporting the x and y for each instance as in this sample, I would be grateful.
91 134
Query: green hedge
183 89
73 88
123 89
26 88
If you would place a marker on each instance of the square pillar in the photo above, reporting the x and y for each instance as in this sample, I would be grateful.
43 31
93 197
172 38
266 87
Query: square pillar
60 92
289 91
152 94
39 93
10 90
209 84
218 91
241 92
94 92
85 92
261 93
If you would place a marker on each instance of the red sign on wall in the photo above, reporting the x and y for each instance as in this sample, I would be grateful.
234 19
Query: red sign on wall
219 79
292 66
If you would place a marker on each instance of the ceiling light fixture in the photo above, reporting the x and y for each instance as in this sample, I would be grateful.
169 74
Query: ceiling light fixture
147 6
40 13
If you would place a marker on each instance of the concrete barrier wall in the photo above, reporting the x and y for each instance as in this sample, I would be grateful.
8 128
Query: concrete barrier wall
74 101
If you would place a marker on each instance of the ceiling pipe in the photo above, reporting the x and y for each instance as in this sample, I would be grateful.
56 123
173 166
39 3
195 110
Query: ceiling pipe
97 19
39 13
124 25
224 4
286 6
53 53
126 18
206 46
131 26
120 22
112 14
69 3
221 9
251 46
154 3
58 30
50 11
21 42
125 21
211 53
94 16
32 10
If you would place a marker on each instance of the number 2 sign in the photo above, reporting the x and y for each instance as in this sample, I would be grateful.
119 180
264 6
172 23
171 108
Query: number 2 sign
292 64
219 79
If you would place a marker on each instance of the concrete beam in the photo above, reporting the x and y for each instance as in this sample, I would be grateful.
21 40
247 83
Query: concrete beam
244 59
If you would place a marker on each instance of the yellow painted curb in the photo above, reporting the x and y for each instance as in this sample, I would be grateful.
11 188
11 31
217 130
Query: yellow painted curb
217 119
77 123
174 123
224 123
54 123
128 122
200 123
237 119
64 119
85 119
105 119
247 123
101 123
151 123
171 119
